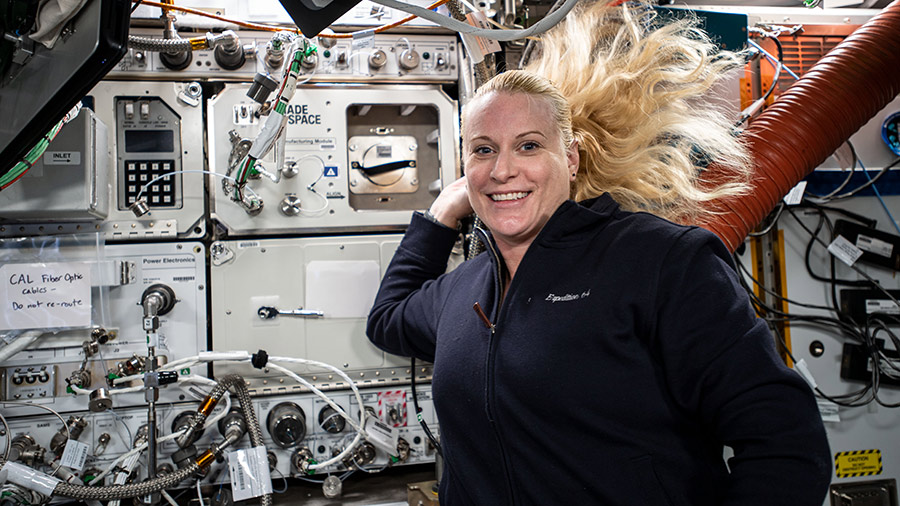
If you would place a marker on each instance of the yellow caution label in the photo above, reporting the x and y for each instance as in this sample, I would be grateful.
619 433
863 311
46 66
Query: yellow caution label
857 463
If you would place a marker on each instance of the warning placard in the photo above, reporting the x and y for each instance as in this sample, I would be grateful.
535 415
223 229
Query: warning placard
857 463
392 407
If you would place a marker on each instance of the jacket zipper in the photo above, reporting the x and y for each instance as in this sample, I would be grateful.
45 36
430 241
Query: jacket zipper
489 370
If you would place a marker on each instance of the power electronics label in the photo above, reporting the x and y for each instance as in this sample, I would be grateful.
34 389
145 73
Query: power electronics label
857 463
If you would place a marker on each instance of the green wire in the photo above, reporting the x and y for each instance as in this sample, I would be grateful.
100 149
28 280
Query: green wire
32 157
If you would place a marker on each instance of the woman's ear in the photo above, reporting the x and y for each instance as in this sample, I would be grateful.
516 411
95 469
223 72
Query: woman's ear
572 159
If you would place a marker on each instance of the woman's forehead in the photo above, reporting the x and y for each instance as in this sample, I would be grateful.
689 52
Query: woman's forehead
504 109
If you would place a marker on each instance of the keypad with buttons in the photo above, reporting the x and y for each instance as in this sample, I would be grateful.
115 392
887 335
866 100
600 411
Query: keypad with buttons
140 172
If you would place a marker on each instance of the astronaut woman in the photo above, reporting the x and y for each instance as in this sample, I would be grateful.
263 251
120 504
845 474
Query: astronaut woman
597 352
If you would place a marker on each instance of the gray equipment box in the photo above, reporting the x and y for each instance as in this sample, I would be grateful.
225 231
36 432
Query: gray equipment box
69 182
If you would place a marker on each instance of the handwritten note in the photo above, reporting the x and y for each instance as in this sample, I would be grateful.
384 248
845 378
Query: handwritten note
40 296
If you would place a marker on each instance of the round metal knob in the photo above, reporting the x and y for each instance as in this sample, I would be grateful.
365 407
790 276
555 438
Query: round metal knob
290 205
100 400
290 169
409 59
377 59
309 61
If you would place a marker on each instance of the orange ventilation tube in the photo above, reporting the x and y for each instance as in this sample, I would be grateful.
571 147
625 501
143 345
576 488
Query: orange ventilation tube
810 120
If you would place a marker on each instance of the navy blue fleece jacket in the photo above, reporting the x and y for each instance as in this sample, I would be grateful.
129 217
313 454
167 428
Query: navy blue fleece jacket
624 356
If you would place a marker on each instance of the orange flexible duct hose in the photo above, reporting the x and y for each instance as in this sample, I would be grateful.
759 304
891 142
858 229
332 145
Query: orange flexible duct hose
810 120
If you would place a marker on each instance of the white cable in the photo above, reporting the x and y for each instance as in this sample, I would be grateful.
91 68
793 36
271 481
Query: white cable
319 393
323 365
203 357
275 122
309 76
458 26
311 186
319 210
358 53
168 498
130 390
200 494
244 356
360 431
340 456
21 342
192 171
212 421
469 5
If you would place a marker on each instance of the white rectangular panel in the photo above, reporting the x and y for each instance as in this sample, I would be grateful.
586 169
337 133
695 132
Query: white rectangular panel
336 275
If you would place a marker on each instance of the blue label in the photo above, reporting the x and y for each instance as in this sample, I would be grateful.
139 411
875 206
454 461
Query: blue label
330 171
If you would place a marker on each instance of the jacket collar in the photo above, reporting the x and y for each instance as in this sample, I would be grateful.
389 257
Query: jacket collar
572 221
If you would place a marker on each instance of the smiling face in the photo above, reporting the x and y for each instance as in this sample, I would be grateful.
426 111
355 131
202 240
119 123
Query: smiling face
517 167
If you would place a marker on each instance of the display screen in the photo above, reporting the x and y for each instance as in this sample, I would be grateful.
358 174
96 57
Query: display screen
149 141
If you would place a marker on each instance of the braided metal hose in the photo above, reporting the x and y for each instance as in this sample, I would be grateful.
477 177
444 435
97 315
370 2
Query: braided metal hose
159 45
113 492
231 381
483 74
235 383
253 429
199 418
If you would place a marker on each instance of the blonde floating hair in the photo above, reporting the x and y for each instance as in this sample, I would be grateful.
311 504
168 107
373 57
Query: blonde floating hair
636 93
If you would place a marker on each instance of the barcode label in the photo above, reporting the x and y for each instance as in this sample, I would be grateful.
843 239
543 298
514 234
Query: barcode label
183 278
381 435
874 246
74 455
844 250
883 306
795 196
362 40
249 471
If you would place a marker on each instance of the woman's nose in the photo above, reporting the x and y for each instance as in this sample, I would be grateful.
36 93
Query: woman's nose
504 168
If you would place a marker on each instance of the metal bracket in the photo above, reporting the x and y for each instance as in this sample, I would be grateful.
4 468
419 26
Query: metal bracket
220 253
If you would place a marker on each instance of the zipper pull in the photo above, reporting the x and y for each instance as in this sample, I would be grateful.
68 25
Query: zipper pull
484 318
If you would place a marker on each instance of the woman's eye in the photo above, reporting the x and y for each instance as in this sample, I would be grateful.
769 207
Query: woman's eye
530 146
482 150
